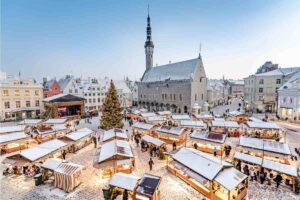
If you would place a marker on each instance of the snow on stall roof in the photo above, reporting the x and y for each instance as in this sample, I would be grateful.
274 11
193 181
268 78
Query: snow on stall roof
156 118
55 121
267 145
136 112
190 123
204 116
54 97
254 119
111 133
149 114
115 147
11 137
153 140
235 113
42 150
52 163
142 125
124 181
248 158
79 134
198 163
10 129
181 117
166 112
30 121
263 125
211 137
171 130
68 168
279 167
229 124
230 178
219 119
54 128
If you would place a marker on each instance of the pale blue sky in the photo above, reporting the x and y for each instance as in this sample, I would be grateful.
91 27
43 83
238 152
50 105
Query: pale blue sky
106 38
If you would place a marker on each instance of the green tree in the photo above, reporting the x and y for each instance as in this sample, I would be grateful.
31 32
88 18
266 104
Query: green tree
111 110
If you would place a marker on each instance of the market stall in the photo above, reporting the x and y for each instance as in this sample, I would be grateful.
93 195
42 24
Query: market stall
156 120
167 114
273 150
11 129
135 115
206 118
114 134
152 142
237 116
171 134
214 178
30 122
207 142
176 119
78 139
12 142
148 188
121 182
48 132
193 125
147 114
140 128
265 130
227 127
115 156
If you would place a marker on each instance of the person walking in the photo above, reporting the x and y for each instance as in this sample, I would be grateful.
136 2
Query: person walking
278 180
215 151
262 177
174 146
151 163
252 175
94 141
64 153
125 195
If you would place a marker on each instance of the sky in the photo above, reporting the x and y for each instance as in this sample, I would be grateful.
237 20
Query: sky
92 38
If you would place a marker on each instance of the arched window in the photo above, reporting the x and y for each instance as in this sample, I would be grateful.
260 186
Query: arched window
185 109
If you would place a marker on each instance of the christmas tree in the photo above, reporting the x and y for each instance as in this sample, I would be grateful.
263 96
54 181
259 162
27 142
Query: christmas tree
111 111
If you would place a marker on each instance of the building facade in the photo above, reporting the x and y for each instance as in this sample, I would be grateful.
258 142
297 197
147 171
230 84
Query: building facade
217 92
20 99
289 99
260 90
51 88
175 86
236 88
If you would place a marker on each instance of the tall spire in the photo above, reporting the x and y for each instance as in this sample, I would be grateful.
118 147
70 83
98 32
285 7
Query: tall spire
149 44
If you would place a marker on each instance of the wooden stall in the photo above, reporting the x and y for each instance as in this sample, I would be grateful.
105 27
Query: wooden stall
15 141
176 119
120 182
193 125
167 114
215 179
207 142
140 128
148 188
237 116
264 130
206 118
156 120
226 127
114 134
48 132
135 115
171 134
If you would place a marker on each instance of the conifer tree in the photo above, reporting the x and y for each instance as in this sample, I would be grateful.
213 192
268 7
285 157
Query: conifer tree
112 111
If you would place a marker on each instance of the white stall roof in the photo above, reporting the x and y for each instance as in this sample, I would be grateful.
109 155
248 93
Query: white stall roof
267 145
30 121
276 166
253 119
114 133
149 114
125 181
156 118
11 137
52 163
79 134
115 147
136 112
204 116
10 129
164 112
171 130
54 128
181 117
55 121
198 163
143 110
219 119
153 140
42 150
228 124
211 137
235 113
190 123
248 158
142 125
230 178
263 125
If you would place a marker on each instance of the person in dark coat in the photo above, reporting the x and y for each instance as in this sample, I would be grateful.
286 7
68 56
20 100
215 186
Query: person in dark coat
174 146
125 195
151 163
64 153
95 141
278 180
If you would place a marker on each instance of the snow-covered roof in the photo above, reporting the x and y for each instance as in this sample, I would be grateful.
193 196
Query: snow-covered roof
153 140
143 110
114 133
10 129
166 112
30 121
54 97
289 84
121 85
171 130
79 134
149 114
52 163
53 129
267 145
11 137
142 125
230 178
136 112
156 118
279 72
237 82
202 165
204 116
211 137
56 121
254 119
263 125
181 117
42 150
248 158
124 181
235 113
184 70
229 124
279 167
115 147
190 123
219 119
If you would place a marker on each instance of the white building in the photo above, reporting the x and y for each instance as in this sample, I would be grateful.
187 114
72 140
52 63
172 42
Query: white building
217 92
20 99
289 98
236 88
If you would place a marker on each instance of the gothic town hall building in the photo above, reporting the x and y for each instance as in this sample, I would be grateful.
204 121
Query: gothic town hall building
177 87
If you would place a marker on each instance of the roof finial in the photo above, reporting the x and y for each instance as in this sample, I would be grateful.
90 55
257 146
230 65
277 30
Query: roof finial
200 46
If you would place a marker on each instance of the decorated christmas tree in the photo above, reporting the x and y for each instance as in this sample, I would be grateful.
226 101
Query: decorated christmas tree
111 110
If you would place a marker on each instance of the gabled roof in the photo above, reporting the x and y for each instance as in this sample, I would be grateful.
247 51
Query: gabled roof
184 70
289 83
279 72
115 147
11 137
63 98
111 133
79 134
10 129
64 82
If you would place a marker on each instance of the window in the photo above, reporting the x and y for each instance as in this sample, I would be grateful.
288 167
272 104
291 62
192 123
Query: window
90 100
291 100
18 104
70 90
98 94
99 100
93 94
17 92
6 105
202 96
261 81
94 89
260 90
141 96
195 97
36 93
260 98
162 97
37 103
200 79
278 81
85 94
174 97
284 99
76 91
94 100
27 103
171 97
27 93
5 93
166 97
180 97
90 94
